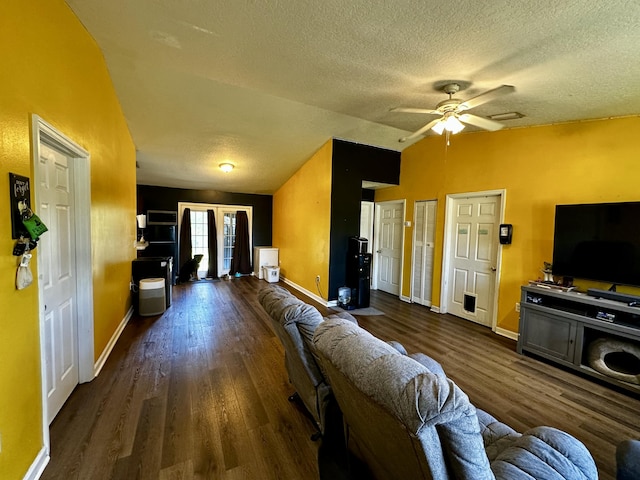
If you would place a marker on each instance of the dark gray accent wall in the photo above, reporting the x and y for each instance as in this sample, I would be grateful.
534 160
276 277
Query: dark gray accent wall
351 164
165 198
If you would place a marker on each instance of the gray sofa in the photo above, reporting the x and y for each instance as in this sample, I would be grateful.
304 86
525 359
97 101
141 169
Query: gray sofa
628 460
405 419
294 322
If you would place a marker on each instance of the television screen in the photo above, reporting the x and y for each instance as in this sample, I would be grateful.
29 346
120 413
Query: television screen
598 242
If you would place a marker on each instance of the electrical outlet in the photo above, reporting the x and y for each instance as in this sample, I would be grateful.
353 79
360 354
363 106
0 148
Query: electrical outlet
517 306
317 278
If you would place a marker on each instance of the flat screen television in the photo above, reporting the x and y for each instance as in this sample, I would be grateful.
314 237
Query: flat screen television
598 242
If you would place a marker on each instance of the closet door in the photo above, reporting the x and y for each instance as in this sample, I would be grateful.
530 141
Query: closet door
423 250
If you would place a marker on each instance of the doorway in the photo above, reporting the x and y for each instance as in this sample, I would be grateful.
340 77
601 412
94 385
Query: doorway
389 243
366 222
62 197
471 256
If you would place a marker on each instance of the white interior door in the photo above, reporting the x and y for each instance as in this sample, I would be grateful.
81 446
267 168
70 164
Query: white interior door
424 225
473 249
389 241
57 272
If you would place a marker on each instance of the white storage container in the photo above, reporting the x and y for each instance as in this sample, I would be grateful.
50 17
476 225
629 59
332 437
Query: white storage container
151 299
271 273
262 257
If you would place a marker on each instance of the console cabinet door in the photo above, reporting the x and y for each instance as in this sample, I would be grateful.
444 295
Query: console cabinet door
548 335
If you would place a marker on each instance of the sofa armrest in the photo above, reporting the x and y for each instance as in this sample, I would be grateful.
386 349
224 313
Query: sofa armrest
545 452
398 346
430 363
628 460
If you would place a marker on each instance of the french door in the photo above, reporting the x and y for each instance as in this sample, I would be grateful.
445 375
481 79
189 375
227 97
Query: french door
225 217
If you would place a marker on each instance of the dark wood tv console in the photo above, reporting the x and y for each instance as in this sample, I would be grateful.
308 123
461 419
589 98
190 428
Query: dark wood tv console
559 326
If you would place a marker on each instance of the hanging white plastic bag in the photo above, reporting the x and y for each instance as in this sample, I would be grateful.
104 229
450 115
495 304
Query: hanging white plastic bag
24 278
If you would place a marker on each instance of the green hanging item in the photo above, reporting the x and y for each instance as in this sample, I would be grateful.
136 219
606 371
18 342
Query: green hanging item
33 224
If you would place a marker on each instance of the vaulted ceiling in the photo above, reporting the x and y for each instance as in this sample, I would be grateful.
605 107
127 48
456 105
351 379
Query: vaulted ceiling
264 83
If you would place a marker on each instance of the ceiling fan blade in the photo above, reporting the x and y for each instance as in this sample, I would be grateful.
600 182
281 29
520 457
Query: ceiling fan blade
415 110
487 97
421 131
481 122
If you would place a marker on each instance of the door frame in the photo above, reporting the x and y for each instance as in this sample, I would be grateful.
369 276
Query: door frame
376 242
43 132
448 249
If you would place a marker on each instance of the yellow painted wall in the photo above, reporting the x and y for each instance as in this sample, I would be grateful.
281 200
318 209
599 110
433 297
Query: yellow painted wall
53 68
583 162
302 222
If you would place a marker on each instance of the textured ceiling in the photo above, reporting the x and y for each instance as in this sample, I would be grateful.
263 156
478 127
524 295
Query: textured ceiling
264 83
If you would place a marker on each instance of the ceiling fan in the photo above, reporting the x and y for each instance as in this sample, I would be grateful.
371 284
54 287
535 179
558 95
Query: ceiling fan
452 112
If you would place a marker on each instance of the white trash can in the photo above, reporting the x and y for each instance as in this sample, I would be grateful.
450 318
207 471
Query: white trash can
271 274
151 300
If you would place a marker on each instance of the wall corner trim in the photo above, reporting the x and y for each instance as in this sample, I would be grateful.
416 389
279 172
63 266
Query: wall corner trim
97 368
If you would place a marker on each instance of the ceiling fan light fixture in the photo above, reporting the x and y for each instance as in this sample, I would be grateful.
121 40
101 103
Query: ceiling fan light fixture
439 127
226 167
450 123
453 125
453 112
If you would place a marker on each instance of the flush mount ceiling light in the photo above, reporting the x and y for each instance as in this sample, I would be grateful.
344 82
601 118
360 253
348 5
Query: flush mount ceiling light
226 167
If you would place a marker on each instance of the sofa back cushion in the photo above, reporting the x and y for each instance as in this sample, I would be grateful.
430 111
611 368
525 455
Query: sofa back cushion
406 421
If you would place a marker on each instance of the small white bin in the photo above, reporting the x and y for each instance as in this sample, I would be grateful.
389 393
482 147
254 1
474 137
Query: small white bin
271 273
151 300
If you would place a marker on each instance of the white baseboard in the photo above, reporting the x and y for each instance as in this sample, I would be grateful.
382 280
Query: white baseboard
405 299
97 367
38 465
507 333
435 309
308 293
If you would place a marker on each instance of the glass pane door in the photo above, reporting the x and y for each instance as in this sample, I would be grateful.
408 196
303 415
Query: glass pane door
200 240
228 239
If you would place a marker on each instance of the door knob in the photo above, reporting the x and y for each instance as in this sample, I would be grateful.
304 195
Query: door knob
378 251
493 269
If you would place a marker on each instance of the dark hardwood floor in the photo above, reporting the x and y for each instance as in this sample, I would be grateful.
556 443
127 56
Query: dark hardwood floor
201 392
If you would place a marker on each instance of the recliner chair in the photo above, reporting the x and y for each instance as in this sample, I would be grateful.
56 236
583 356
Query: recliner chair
294 322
